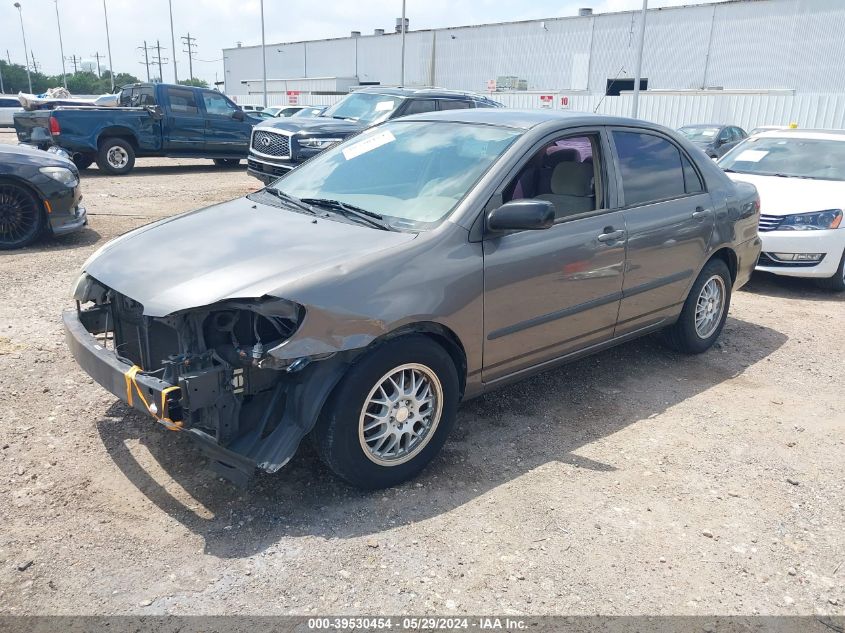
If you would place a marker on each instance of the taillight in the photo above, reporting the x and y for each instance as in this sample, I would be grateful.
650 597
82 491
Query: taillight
55 128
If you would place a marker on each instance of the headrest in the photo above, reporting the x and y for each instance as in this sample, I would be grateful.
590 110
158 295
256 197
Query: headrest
561 155
572 179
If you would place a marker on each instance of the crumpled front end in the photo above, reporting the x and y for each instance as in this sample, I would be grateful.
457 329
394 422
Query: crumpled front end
207 371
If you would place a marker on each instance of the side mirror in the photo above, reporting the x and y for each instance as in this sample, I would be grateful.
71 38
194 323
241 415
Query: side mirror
522 215
238 115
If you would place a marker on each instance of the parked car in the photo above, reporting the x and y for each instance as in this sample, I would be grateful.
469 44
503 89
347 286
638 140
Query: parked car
8 106
283 111
252 108
280 145
428 260
801 178
309 111
39 193
714 139
152 120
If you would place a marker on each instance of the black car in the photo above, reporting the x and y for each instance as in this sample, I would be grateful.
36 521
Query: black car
39 192
714 138
279 145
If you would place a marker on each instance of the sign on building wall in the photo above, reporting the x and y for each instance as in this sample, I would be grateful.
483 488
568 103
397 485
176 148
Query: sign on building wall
547 101
293 97
565 103
491 85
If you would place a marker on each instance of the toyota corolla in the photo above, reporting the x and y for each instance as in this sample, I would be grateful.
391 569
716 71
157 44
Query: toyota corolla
362 296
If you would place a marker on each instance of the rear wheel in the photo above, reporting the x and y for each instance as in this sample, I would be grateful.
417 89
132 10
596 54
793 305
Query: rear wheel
21 217
837 282
227 162
705 310
391 413
116 156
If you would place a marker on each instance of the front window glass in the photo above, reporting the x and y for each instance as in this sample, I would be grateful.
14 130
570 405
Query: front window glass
700 134
822 159
365 107
412 173
216 103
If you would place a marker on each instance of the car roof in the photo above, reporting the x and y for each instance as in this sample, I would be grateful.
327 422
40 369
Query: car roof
527 119
422 92
709 125
815 134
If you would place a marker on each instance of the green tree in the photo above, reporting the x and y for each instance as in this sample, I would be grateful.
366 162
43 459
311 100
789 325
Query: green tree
193 81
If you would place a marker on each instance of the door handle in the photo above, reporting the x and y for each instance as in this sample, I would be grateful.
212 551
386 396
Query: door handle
700 213
610 235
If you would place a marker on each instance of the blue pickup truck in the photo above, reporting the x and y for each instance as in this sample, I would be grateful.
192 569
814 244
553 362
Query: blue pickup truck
150 120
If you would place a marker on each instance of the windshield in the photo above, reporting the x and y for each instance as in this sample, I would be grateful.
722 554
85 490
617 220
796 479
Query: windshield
365 107
822 159
700 134
411 173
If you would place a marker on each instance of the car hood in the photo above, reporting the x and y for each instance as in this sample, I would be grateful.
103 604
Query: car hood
783 196
238 249
21 154
313 125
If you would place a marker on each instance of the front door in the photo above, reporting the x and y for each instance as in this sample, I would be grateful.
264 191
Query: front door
669 218
184 131
224 132
550 292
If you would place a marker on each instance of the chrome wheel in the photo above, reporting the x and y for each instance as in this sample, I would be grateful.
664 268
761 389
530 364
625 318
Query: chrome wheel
710 306
400 414
117 157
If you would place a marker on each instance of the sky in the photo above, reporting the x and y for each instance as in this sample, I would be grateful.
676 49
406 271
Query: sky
218 24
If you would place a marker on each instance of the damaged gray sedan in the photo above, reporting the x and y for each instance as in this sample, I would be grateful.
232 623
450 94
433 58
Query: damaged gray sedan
362 296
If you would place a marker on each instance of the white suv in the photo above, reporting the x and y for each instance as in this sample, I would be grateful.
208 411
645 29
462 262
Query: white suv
800 175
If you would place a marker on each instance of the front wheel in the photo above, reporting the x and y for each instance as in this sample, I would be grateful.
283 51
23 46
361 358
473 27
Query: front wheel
21 217
705 310
116 156
837 282
391 414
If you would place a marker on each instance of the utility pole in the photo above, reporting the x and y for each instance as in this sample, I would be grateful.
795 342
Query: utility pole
263 56
159 60
23 34
3 90
108 45
172 42
146 61
34 63
98 57
75 60
61 47
639 67
402 74
189 42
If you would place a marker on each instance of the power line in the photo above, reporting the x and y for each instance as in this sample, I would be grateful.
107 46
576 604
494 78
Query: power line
189 42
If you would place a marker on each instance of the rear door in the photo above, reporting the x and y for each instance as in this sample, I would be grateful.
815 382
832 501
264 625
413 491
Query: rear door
184 130
224 133
552 292
669 218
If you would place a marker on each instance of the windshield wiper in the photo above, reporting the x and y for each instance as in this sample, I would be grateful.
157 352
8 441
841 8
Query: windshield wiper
351 211
291 200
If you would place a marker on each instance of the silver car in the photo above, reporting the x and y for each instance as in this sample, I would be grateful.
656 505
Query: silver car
423 262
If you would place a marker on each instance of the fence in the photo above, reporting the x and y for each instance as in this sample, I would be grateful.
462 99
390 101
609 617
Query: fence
747 110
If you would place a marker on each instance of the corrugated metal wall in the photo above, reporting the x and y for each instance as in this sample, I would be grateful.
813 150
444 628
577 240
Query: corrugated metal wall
757 44
672 110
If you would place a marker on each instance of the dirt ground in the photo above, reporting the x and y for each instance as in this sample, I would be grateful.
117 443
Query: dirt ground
637 481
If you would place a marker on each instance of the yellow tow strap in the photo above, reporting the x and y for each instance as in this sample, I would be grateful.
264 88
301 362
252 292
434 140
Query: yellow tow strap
131 381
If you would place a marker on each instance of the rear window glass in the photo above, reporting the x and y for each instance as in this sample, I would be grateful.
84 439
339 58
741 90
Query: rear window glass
651 168
182 101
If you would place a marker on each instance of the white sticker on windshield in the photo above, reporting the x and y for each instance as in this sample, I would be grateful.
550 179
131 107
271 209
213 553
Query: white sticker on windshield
368 144
708 133
383 106
751 156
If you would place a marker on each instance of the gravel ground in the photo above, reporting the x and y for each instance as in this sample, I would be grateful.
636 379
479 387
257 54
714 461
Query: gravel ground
637 481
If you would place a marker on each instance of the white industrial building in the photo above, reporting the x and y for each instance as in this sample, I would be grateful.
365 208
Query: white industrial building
796 45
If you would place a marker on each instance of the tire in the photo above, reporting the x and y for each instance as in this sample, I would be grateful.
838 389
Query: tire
116 156
83 161
683 335
227 162
21 216
358 456
837 282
